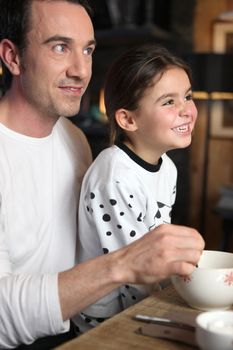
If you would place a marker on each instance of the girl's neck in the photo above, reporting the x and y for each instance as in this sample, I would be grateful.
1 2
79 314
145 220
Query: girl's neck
149 156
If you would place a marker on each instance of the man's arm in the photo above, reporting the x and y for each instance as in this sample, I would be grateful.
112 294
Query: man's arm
167 250
33 306
29 309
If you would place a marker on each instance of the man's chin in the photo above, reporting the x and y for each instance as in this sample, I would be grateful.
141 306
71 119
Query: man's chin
69 112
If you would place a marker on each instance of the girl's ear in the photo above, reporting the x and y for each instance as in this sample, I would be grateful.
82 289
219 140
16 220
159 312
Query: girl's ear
125 119
9 55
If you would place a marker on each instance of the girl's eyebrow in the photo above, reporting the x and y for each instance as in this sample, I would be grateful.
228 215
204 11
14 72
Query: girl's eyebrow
170 95
162 97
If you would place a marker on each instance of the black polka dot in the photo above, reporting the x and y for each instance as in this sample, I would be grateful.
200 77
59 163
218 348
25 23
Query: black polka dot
100 320
133 297
92 195
108 233
126 286
106 217
130 205
139 217
158 215
87 320
101 206
119 226
131 196
123 295
113 201
105 250
122 213
132 233
88 208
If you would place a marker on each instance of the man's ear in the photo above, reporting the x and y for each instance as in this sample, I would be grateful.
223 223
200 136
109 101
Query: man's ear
125 119
9 55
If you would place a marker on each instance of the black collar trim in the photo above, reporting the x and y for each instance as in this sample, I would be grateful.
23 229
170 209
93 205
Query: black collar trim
147 166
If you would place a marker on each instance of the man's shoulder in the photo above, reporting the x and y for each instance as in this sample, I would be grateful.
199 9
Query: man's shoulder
73 137
67 125
70 131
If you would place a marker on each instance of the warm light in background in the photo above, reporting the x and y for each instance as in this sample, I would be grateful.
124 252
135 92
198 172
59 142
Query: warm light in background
101 103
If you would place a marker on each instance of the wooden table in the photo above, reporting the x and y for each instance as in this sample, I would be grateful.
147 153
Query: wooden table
119 332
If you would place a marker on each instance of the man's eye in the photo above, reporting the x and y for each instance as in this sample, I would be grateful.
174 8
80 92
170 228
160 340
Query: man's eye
59 48
88 51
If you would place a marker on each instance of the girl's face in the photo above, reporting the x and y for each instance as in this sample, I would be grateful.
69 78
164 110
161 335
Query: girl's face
165 117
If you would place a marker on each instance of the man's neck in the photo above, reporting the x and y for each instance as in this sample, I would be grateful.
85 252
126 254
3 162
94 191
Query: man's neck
22 118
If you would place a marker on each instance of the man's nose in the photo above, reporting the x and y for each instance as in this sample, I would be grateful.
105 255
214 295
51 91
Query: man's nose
79 66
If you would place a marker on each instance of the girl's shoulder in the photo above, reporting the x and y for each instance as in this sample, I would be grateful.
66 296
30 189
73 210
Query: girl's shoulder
168 163
110 166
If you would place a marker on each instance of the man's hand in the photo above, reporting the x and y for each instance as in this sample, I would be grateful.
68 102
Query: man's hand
167 250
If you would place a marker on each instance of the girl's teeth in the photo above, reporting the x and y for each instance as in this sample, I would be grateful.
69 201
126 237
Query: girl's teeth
182 128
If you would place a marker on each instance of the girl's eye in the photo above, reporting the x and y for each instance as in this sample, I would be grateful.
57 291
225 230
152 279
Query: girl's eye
167 103
189 97
60 48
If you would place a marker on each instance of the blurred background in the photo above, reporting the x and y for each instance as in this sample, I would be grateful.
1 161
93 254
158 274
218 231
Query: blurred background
201 31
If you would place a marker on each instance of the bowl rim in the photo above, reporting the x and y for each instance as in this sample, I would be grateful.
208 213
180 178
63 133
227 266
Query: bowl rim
208 251
209 314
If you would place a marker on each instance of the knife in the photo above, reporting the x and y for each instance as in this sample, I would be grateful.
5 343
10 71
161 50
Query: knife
164 322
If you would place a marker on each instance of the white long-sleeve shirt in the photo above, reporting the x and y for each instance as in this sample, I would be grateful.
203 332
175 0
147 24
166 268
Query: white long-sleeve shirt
39 191
122 198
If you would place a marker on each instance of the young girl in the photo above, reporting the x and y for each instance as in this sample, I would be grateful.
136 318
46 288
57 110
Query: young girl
131 186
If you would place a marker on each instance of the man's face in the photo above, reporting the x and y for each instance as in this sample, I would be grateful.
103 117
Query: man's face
57 61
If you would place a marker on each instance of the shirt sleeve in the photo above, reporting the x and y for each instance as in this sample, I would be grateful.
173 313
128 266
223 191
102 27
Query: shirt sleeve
29 304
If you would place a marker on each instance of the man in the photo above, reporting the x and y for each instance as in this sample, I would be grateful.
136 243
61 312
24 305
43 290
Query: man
46 50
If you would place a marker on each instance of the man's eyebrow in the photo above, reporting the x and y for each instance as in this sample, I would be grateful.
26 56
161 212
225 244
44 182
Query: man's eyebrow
92 42
66 39
57 38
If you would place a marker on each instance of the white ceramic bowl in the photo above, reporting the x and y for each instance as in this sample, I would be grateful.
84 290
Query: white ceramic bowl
210 286
214 330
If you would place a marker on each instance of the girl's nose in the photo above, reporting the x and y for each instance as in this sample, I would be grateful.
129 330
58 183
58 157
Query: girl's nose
183 109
